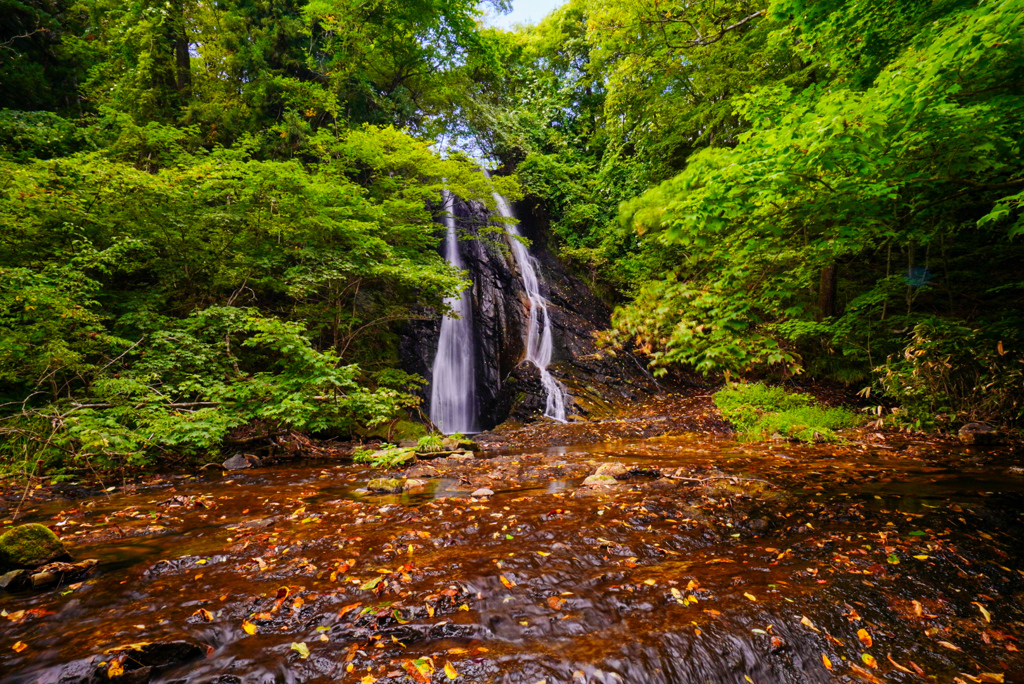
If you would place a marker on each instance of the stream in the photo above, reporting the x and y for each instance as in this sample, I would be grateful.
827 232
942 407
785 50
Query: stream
899 562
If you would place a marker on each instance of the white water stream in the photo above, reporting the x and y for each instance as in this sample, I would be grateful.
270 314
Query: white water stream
539 346
453 387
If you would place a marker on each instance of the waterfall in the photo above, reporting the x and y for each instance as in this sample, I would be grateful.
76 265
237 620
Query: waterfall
539 344
453 386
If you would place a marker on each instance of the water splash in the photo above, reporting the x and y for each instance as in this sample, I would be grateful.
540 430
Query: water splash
539 343
453 387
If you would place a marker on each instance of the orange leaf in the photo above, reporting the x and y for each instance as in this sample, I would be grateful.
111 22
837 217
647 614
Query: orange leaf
507 582
19 647
826 661
864 637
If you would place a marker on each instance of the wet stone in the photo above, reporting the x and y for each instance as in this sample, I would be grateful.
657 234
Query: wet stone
600 481
482 492
15 580
616 470
29 546
980 434
241 462
386 485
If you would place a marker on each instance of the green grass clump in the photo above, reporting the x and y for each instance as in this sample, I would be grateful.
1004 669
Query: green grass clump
387 457
430 443
758 412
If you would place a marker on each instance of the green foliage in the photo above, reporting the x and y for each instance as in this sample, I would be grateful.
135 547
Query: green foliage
430 443
950 373
758 411
388 456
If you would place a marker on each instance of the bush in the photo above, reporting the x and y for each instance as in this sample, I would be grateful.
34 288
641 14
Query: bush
953 373
758 412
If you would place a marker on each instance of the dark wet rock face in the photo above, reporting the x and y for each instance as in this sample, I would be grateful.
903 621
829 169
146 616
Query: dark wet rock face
507 386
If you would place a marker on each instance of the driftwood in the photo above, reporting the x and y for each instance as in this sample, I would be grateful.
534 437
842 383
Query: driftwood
703 480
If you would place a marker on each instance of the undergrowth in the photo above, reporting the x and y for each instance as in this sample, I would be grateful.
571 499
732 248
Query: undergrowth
387 456
759 412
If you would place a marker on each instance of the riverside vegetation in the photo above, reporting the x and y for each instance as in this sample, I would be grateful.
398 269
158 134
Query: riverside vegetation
215 219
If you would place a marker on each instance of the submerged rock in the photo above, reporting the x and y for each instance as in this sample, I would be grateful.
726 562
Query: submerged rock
600 481
29 546
980 434
412 483
386 485
482 492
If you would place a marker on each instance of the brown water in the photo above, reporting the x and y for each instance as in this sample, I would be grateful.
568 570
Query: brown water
654 580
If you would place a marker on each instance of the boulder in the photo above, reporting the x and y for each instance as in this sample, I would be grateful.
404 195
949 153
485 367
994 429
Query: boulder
482 492
412 483
386 485
614 469
29 546
241 462
980 434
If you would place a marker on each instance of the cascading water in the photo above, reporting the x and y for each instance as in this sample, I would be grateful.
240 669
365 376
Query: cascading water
539 345
453 388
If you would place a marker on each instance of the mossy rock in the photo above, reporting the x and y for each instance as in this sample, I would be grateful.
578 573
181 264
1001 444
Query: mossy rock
386 485
29 546
454 444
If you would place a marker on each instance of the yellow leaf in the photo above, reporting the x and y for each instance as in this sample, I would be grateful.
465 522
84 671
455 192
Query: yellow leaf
984 611
992 677
249 627
649 582
869 660
750 596
115 669
806 622
450 671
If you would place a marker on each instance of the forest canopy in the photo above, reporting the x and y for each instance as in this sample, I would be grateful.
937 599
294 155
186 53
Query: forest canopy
217 217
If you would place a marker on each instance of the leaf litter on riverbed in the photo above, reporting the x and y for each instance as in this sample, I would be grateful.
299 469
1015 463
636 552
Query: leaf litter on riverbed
842 555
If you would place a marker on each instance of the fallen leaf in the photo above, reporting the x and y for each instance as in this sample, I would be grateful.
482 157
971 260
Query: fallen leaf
952 647
556 602
507 582
864 637
249 627
371 584
826 661
898 666
450 671
19 647
204 614
984 611
750 596
115 669
806 622
991 677
301 648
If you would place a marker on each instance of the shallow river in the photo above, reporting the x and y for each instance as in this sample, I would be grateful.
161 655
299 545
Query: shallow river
898 564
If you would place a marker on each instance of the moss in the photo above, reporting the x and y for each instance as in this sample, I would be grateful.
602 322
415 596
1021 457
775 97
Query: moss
758 412
29 546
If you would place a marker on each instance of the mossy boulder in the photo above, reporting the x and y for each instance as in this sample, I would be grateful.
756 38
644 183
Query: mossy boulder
29 546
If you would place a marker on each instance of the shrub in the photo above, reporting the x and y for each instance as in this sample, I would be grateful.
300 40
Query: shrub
758 412
950 372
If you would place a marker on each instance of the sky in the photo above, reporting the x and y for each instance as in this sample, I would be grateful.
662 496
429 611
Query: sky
523 12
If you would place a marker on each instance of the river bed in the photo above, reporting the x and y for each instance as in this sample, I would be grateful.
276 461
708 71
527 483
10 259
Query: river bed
711 561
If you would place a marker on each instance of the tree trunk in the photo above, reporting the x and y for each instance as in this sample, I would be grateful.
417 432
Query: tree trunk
827 292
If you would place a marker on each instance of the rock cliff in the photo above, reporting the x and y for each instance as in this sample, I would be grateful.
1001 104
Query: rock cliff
509 388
